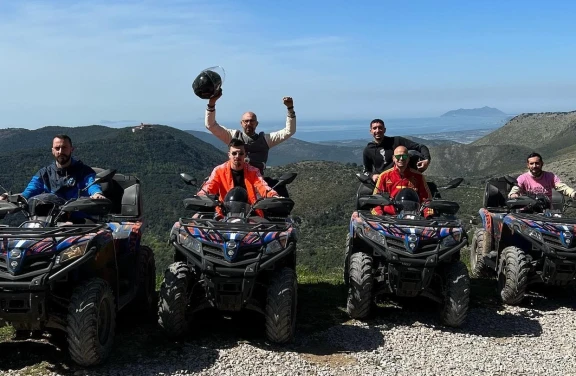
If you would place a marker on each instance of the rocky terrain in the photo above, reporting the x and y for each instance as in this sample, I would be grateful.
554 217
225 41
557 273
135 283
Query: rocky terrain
535 338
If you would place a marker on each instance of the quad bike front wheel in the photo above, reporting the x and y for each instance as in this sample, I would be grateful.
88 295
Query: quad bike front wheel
512 275
281 304
478 250
174 299
91 322
360 286
456 294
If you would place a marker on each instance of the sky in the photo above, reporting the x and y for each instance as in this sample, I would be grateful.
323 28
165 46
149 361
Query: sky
117 63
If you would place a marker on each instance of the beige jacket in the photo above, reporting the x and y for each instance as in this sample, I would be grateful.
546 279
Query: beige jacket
272 138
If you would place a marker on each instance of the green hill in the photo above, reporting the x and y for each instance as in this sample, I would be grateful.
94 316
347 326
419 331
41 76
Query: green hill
12 139
552 134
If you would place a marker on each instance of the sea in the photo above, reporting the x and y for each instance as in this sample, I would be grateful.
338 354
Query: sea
462 129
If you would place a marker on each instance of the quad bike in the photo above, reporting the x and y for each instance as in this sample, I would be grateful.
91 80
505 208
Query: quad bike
72 265
406 254
233 261
523 241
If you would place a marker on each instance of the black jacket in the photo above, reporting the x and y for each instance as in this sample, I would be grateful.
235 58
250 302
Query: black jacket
378 157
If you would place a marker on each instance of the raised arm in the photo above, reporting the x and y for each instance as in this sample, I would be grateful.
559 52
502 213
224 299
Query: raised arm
274 138
223 134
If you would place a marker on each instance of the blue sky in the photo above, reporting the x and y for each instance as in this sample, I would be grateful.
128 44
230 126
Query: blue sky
77 63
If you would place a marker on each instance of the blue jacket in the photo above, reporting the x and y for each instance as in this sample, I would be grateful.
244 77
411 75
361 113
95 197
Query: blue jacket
64 182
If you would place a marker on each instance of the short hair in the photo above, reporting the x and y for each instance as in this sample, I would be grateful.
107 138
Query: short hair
377 121
532 155
64 137
236 142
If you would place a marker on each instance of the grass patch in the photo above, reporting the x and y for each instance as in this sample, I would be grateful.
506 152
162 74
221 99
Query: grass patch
6 333
321 300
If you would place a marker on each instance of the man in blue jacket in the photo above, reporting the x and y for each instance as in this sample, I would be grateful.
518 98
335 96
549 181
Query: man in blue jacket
65 177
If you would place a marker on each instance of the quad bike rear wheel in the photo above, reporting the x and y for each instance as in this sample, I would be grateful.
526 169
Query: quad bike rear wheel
512 275
146 296
478 250
281 304
360 286
347 252
456 294
91 322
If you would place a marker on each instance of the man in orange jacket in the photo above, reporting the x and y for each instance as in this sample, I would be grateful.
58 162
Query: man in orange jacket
398 177
237 173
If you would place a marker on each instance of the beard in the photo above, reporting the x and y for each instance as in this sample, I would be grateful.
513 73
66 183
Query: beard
62 159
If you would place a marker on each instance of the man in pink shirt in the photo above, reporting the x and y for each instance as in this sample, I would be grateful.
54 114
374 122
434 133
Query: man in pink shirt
538 181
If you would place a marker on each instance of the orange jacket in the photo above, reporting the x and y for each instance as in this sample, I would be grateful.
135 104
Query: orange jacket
220 182
392 182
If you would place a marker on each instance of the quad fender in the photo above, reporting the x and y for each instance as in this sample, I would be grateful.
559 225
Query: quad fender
100 264
507 238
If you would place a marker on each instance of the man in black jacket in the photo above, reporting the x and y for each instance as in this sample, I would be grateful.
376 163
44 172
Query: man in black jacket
378 154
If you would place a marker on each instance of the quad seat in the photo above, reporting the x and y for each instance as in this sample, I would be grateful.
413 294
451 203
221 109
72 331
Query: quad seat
126 195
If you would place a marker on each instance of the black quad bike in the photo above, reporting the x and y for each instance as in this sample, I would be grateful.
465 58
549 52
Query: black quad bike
405 254
523 241
233 261
72 265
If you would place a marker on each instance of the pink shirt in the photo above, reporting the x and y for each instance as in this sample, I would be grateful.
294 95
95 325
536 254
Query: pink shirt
544 184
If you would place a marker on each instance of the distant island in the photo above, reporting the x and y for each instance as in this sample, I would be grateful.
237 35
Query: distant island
484 111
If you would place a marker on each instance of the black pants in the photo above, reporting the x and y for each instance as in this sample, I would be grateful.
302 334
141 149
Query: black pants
282 191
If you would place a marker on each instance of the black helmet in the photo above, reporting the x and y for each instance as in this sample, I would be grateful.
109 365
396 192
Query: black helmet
236 202
407 199
208 82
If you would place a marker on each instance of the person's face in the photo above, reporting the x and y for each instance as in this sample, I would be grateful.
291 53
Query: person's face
62 151
237 155
535 166
249 123
401 158
377 130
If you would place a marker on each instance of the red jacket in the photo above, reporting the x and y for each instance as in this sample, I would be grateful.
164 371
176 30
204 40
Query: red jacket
392 182
220 182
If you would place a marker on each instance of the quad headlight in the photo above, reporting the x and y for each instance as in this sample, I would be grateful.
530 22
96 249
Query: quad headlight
533 233
374 235
452 239
276 245
567 238
72 253
190 242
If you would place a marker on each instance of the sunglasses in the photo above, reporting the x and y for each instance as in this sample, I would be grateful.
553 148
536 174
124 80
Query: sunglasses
401 156
235 153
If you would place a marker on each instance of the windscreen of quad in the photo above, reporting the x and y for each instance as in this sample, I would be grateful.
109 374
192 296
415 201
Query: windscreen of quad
407 200
42 204
236 202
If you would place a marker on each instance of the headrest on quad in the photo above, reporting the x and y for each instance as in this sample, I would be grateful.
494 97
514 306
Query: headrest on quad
496 192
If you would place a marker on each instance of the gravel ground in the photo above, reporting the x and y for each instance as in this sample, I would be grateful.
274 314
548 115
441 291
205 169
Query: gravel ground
536 338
